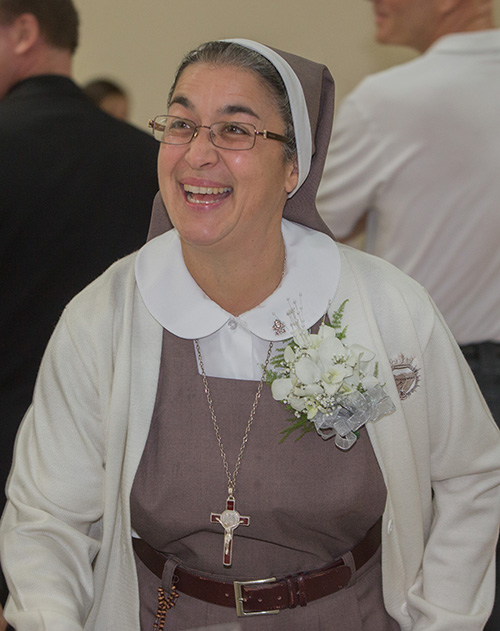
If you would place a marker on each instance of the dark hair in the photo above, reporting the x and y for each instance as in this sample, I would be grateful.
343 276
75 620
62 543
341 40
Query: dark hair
98 89
58 19
220 53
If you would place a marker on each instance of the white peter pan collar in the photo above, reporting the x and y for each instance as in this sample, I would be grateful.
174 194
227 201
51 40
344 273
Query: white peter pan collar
175 300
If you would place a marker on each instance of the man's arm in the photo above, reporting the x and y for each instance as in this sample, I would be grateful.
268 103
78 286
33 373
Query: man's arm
352 172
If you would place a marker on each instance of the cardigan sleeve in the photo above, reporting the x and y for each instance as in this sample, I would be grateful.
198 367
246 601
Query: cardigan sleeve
50 528
455 588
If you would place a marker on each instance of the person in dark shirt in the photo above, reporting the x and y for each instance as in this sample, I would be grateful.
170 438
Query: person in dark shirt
76 188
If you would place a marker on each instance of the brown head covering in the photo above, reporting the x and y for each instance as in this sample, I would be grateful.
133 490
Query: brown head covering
319 91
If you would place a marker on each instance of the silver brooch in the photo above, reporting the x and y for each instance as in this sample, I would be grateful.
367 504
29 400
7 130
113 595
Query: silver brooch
279 327
406 375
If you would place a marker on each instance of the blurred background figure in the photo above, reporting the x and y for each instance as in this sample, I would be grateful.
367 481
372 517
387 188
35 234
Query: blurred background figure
76 188
414 155
109 96
414 161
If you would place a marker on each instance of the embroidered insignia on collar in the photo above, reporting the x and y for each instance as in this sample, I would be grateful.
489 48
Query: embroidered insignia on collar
406 375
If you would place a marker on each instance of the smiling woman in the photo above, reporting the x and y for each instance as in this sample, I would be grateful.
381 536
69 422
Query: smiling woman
218 197
171 385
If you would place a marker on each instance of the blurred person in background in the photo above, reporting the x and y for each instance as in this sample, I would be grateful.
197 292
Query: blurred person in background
415 154
414 160
109 96
76 188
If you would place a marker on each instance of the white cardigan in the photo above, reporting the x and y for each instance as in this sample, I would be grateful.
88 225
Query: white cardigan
65 534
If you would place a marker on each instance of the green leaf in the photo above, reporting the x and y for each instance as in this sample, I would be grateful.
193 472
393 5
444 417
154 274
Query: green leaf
336 319
303 424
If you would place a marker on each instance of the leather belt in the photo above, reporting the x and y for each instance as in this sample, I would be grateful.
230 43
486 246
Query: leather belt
268 595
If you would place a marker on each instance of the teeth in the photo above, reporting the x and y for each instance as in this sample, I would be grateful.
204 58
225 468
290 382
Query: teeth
204 202
205 190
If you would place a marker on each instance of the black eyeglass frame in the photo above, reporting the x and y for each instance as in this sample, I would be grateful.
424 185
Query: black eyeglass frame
268 135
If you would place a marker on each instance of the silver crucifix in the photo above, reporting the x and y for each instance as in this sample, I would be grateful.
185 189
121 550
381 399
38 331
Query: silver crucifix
229 519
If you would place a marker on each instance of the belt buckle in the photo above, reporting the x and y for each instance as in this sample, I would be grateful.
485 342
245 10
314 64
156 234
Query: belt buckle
238 597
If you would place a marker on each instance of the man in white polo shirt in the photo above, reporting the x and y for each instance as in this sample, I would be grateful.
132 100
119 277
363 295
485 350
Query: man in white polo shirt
415 154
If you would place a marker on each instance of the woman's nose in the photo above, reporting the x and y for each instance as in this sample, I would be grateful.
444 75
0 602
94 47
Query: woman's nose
201 151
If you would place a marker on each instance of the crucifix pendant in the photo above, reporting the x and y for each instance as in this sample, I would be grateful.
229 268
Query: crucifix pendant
229 519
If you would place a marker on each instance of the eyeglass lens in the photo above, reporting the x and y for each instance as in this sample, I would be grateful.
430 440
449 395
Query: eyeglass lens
225 135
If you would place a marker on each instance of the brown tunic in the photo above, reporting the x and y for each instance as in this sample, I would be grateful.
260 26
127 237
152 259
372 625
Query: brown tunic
308 502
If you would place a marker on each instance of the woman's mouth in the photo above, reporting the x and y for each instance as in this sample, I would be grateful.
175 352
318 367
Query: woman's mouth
205 194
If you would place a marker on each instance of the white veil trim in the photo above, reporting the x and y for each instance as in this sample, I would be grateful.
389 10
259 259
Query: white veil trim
300 115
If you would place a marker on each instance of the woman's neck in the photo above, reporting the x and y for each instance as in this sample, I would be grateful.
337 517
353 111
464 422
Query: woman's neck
240 281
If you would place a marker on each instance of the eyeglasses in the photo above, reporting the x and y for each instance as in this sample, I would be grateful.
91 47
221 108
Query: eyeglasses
173 130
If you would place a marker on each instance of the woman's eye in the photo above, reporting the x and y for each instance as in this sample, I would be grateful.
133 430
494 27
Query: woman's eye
180 124
235 129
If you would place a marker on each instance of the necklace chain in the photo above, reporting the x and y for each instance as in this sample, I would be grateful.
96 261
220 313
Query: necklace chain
231 478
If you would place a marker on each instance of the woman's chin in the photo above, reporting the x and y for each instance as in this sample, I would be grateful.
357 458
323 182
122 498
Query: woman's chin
201 237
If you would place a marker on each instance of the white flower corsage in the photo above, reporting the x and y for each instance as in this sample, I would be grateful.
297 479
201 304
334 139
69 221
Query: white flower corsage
329 386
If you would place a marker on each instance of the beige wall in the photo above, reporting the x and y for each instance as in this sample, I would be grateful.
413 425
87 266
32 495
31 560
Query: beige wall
140 42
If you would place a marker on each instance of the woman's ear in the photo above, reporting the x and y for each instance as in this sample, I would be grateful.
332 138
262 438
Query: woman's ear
292 175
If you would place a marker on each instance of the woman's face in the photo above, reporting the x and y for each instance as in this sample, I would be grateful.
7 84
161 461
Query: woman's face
248 189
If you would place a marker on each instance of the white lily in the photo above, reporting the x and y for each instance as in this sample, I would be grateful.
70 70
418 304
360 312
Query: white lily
330 348
307 371
311 408
281 388
333 378
289 355
297 403
313 389
331 388
360 356
326 331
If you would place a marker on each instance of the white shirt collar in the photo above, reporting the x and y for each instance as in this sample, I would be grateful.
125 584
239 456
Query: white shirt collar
468 42
175 300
